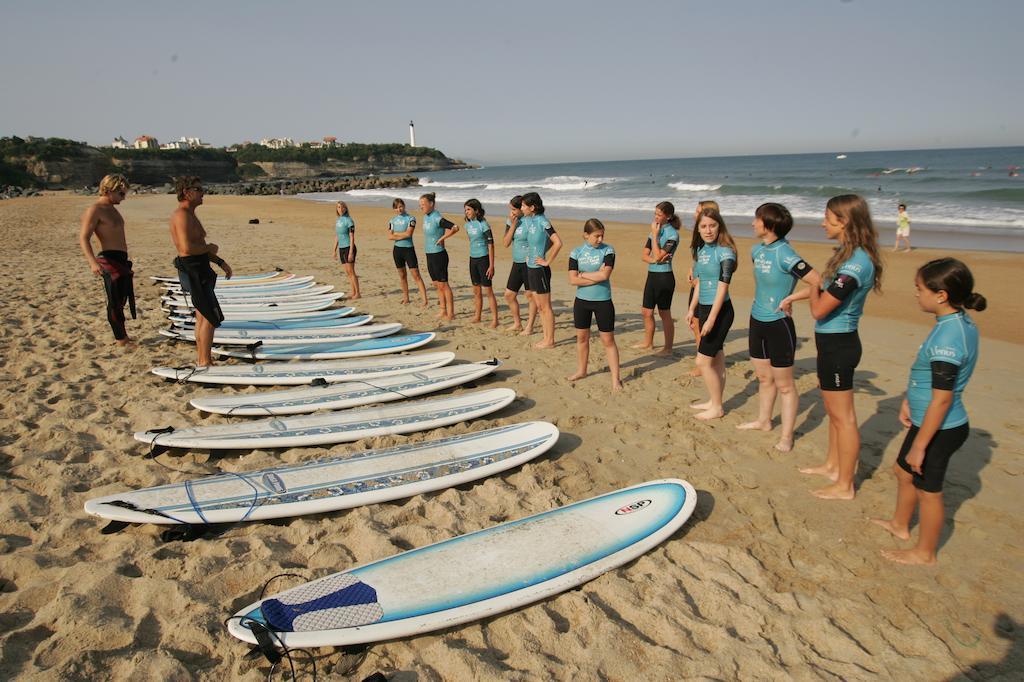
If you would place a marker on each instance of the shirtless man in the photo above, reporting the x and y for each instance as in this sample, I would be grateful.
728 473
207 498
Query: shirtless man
104 221
193 263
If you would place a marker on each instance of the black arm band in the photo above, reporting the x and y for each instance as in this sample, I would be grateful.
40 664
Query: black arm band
944 375
843 286
728 267
574 264
801 269
670 246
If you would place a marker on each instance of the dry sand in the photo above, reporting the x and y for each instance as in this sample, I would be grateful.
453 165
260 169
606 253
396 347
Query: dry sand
764 582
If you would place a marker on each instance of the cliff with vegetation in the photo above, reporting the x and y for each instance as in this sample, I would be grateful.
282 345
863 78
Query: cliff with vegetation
57 163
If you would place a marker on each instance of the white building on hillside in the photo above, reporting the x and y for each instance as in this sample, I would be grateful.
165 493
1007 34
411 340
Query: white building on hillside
146 142
120 143
277 142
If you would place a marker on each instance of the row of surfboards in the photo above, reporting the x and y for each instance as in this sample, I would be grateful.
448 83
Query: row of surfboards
441 585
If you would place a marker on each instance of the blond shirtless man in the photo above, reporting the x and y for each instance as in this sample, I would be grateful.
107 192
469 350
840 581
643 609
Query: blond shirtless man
193 263
103 221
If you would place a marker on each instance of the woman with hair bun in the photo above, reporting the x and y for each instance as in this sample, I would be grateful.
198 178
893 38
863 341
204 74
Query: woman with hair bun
933 410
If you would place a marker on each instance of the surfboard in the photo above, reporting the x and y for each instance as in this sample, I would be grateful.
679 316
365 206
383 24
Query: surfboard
341 396
256 325
287 337
265 316
335 427
277 274
299 306
324 485
473 576
326 351
299 373
295 284
295 294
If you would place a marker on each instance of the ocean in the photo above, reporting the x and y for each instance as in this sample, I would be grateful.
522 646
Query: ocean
959 198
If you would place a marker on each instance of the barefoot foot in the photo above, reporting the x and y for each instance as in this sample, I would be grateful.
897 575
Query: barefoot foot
835 492
701 406
755 426
823 470
642 346
576 377
695 372
784 445
541 345
901 533
913 557
710 413
664 353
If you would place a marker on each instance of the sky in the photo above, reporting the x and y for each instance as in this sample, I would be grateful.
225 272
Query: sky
524 81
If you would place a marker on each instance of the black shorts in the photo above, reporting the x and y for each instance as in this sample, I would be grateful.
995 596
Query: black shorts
583 312
711 345
658 290
437 266
478 271
405 257
936 456
343 252
538 280
775 341
838 356
517 277
199 281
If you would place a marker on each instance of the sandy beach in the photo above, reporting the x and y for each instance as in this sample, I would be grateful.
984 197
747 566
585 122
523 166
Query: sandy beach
764 582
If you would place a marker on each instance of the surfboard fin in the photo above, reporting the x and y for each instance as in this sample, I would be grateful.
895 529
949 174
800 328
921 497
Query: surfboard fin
114 527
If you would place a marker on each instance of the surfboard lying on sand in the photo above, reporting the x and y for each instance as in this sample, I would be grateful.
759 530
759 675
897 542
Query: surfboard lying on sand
343 426
287 337
345 395
350 480
472 576
296 295
298 306
277 274
268 315
298 373
280 286
256 325
330 351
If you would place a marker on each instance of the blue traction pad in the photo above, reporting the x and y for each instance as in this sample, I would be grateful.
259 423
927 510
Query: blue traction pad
338 601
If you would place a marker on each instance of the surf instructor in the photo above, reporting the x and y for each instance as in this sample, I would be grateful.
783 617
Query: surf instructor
193 264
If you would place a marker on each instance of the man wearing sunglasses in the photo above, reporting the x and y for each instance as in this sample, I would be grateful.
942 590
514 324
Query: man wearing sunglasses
105 222
197 278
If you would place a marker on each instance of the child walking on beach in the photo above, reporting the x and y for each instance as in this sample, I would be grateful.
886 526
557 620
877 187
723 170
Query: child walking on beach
436 231
933 410
400 231
838 304
515 236
481 260
661 282
590 270
543 246
345 246
902 228
714 256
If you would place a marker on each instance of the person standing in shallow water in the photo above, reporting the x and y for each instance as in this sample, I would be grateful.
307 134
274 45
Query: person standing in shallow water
933 411
436 231
345 246
400 231
661 282
540 235
105 222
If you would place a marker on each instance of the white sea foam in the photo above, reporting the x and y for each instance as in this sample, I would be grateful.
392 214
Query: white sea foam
693 187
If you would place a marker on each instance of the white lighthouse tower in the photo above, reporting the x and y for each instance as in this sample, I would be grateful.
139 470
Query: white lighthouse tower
412 135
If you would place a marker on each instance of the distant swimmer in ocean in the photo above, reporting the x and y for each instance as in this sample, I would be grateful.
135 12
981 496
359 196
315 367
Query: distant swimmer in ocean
543 245
714 257
902 227
103 221
772 334
661 282
436 231
837 304
515 237
694 324
193 264
932 410
345 246
400 231
590 271
481 260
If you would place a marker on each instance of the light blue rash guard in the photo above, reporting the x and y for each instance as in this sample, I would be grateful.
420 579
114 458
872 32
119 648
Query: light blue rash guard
343 227
708 268
402 223
953 340
587 258
774 278
434 227
857 272
666 234
519 247
538 233
479 233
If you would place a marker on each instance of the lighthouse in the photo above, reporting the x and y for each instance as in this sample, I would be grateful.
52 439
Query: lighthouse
412 135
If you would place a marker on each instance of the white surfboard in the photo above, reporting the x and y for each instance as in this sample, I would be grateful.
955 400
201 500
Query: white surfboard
187 315
288 337
257 325
297 295
326 351
335 427
299 306
283 286
342 396
277 274
473 576
299 373
350 480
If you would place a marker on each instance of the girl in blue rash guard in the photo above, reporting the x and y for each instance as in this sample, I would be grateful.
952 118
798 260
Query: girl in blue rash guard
400 231
590 270
714 255
772 336
515 237
436 230
837 304
481 260
661 282
932 409
345 246
543 245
